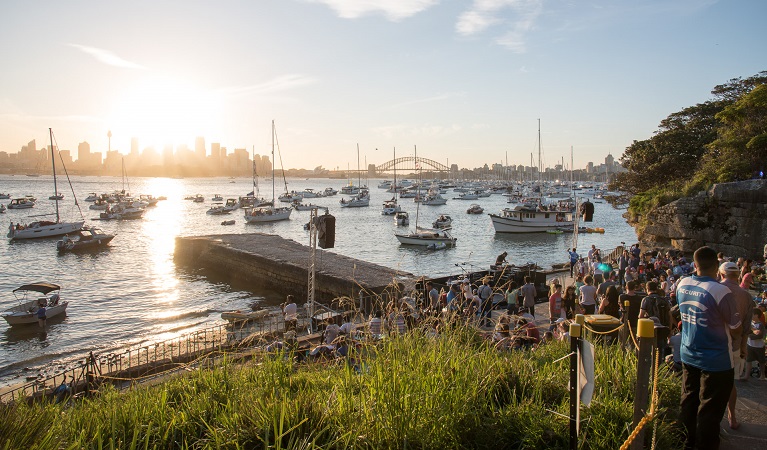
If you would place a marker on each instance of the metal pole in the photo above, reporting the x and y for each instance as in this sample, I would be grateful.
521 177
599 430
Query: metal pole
575 346
312 260
646 337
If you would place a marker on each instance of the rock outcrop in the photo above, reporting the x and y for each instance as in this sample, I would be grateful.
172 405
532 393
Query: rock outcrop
729 217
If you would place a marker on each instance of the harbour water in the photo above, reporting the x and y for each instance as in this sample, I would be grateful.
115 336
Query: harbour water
132 292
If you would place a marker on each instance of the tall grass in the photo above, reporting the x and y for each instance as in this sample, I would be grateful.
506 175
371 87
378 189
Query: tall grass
454 391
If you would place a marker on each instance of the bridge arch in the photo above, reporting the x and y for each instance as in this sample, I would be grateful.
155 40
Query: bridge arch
411 163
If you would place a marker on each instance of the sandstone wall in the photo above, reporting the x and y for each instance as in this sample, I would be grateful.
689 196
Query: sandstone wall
729 217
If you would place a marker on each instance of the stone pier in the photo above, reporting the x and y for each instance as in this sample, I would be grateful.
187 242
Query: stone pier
272 262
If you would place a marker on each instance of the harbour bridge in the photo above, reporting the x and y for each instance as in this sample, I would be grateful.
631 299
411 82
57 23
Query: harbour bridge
412 163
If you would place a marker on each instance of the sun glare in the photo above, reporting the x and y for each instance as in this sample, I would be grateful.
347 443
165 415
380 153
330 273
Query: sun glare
161 111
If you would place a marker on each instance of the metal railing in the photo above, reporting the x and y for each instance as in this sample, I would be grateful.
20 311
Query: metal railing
124 368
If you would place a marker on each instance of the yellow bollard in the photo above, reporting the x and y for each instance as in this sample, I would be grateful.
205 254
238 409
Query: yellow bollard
575 330
580 319
645 328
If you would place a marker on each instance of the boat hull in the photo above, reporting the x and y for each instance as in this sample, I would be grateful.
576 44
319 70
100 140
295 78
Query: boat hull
273 215
515 225
424 241
44 231
27 318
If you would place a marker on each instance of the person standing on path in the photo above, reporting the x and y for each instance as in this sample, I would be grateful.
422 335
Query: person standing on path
708 312
485 293
588 295
573 260
529 292
739 336
555 306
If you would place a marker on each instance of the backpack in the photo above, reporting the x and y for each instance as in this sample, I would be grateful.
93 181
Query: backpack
660 307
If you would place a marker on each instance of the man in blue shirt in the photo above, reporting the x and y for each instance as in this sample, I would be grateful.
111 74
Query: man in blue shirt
708 311
573 260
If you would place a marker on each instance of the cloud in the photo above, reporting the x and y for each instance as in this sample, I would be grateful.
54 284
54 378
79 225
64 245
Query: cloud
485 14
281 83
393 9
107 57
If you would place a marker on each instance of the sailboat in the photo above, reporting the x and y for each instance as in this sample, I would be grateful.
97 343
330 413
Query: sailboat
532 216
44 228
391 207
252 198
269 213
426 237
363 196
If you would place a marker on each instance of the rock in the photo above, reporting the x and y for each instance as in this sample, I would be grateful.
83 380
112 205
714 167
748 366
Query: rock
728 217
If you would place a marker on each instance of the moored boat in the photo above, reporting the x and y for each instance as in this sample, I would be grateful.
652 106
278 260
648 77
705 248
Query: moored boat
475 209
85 239
26 312
443 221
425 237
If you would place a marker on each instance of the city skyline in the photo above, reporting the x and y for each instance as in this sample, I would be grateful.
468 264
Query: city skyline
464 81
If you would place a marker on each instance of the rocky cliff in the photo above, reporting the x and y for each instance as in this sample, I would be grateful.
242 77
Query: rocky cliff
729 217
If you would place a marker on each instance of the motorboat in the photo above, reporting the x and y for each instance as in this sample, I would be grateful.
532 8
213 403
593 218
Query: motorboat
298 206
21 203
443 221
25 313
402 218
475 209
434 199
5 196
56 197
467 196
198 198
427 236
390 207
231 204
99 205
290 197
92 197
309 193
267 214
122 211
360 200
217 198
86 238
227 222
217 209
329 192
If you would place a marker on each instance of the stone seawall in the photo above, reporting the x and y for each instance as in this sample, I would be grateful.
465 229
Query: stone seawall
279 264
729 217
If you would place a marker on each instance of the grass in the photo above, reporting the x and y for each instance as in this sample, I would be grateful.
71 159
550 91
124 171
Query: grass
410 392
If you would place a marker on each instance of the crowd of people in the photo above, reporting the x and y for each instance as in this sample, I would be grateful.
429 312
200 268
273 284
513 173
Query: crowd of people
709 313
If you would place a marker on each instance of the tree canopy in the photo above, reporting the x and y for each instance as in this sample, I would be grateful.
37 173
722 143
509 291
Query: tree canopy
720 140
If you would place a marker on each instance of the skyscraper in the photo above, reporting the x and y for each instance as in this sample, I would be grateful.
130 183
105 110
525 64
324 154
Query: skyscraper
199 147
83 151
215 151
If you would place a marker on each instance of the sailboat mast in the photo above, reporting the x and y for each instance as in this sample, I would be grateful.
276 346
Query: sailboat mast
273 203
395 175
359 175
55 186
540 163
420 180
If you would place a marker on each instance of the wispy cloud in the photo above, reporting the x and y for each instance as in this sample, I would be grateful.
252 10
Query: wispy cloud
485 14
393 9
281 83
435 98
107 57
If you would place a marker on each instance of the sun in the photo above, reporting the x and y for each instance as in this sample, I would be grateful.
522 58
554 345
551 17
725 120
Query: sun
162 111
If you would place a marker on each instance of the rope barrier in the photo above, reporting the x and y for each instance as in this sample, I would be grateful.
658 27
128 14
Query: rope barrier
603 332
653 405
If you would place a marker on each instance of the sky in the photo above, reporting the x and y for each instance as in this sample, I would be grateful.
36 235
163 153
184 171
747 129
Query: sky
464 82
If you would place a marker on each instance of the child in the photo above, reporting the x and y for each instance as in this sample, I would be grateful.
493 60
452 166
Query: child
756 343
